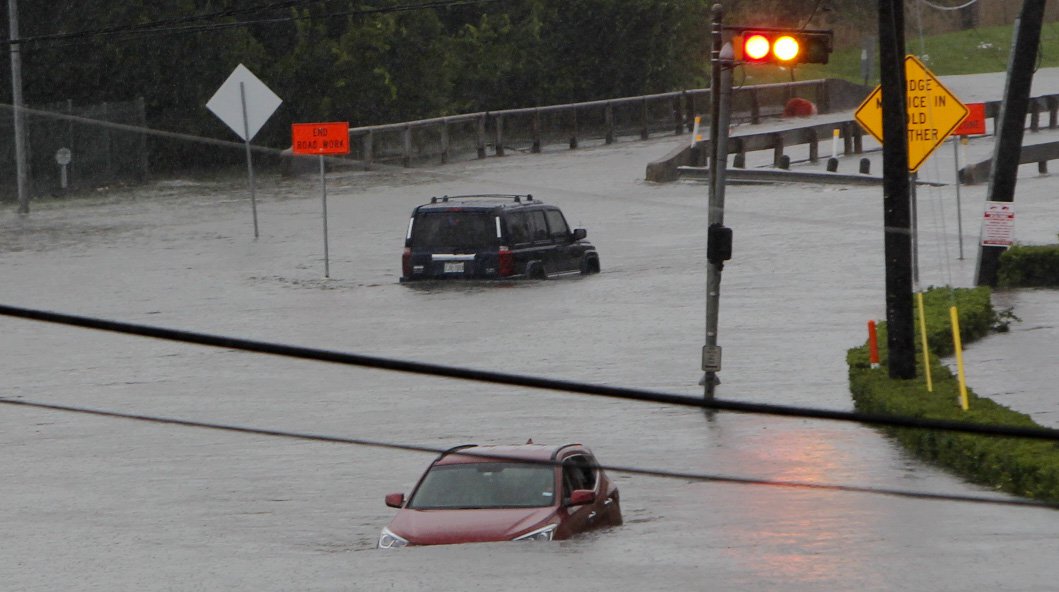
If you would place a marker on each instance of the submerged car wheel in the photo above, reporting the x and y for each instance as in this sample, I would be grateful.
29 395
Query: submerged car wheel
535 270
589 265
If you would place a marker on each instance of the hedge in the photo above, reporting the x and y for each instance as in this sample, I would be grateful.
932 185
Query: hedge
1028 468
1035 266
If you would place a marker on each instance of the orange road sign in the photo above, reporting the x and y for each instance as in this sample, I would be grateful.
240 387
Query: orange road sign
320 138
933 112
974 125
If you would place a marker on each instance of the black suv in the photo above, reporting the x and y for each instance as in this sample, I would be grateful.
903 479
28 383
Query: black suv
493 236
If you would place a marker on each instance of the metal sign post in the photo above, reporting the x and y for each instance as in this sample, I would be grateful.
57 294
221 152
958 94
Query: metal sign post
321 139
244 104
62 158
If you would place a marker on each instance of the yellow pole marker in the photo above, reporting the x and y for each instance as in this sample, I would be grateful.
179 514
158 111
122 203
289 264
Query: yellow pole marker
959 356
923 338
695 135
834 143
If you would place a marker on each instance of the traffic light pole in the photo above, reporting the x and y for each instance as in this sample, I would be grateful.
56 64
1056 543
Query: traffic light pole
721 92
1011 126
897 223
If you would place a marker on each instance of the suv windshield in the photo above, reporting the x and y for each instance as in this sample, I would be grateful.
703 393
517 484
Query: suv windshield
454 229
486 485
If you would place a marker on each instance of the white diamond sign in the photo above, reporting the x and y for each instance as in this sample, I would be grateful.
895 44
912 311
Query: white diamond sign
244 92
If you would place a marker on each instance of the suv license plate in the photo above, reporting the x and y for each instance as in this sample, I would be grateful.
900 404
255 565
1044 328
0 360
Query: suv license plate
454 267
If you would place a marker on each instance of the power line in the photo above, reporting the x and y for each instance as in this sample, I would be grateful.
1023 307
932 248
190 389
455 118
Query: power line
664 474
616 392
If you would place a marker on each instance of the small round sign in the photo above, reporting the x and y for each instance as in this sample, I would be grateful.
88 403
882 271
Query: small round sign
62 156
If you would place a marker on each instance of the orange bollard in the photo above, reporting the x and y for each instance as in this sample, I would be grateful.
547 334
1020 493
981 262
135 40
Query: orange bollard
873 345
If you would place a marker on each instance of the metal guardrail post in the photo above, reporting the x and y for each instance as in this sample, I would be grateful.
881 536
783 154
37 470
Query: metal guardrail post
814 146
755 108
1035 116
1053 108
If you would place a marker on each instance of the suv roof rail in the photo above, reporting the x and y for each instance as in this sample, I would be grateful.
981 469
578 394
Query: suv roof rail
513 197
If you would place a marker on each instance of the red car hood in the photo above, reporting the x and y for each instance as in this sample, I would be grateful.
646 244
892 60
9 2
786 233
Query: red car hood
443 527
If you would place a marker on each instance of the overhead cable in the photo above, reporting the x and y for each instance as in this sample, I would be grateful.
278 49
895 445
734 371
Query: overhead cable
664 474
422 368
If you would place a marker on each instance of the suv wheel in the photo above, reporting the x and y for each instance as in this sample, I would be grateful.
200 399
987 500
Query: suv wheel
589 265
535 270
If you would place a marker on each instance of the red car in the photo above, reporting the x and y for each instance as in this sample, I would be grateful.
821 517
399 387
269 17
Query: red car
532 492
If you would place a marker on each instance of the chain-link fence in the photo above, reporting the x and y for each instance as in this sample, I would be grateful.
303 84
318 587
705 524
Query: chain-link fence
71 147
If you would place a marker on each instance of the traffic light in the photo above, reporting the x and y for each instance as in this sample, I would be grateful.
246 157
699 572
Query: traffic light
765 45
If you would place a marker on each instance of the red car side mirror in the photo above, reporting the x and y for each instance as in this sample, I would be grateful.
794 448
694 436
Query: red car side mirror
581 497
395 500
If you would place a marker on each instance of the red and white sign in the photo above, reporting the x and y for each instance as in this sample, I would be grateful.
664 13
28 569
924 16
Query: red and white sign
320 138
998 224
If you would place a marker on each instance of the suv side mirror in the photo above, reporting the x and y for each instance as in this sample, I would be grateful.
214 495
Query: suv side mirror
581 496
580 233
395 500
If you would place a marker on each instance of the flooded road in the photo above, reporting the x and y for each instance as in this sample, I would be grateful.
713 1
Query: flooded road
95 503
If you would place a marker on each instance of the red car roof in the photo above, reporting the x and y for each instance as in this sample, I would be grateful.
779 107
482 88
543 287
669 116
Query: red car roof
530 452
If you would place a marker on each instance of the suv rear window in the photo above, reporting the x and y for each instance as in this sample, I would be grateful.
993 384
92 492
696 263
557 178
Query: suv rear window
455 229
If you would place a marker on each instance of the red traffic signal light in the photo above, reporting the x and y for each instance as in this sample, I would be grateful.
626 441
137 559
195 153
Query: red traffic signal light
782 46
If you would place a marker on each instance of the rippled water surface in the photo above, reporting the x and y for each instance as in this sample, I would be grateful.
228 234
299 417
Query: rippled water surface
97 503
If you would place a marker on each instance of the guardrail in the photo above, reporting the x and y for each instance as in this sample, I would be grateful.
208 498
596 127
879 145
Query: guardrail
668 168
476 135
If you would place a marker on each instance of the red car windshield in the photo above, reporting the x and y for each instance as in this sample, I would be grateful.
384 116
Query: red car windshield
486 485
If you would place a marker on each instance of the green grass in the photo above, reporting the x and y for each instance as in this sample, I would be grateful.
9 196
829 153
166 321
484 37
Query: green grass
975 51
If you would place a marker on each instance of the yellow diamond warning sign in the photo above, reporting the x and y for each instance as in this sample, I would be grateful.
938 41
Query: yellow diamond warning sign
933 112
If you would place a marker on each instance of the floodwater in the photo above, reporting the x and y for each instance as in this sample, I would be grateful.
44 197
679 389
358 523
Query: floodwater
97 503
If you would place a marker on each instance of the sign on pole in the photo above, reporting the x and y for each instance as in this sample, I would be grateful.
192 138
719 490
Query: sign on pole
998 224
244 104
321 139
974 125
933 112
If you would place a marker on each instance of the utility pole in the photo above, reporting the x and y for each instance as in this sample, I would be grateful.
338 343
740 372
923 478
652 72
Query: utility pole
897 222
1012 124
21 166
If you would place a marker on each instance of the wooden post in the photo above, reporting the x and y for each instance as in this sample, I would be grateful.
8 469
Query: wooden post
755 108
678 116
498 121
444 141
689 101
643 119
573 135
608 119
536 148
368 146
814 146
777 150
479 133
406 140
